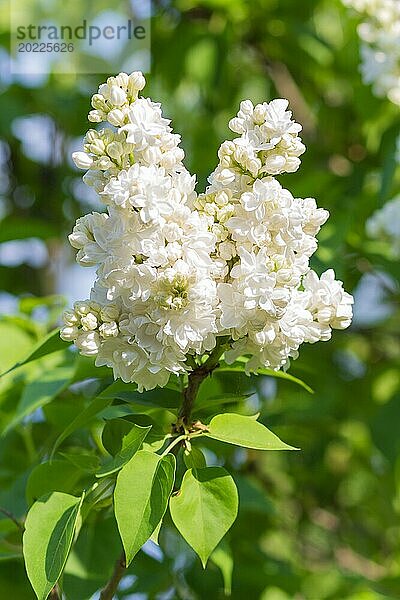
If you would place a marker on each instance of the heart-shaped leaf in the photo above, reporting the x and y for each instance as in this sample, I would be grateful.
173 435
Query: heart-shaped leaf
205 508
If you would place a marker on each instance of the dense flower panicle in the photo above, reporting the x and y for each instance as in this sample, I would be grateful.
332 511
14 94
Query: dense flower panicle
176 270
384 224
380 45
268 144
143 135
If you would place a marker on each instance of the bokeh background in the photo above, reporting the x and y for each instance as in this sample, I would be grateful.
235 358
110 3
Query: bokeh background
320 524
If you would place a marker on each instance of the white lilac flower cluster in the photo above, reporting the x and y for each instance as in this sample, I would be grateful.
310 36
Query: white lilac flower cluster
177 271
384 225
380 45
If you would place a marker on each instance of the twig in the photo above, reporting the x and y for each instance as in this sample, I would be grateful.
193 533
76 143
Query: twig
176 441
55 593
195 379
108 592
14 519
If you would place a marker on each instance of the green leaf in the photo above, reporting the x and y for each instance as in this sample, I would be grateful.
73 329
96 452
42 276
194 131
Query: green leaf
244 431
141 495
90 563
131 442
205 508
388 153
156 533
113 432
194 459
51 343
81 420
216 401
41 391
98 496
115 429
159 397
238 367
88 463
86 369
56 476
49 531
21 342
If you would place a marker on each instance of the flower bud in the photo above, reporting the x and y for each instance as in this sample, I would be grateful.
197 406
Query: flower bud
117 96
107 135
274 164
91 136
82 160
292 164
89 322
109 329
235 125
246 107
225 161
227 147
98 102
116 117
259 114
122 79
221 198
82 307
94 307
69 333
254 166
226 176
96 116
115 150
136 83
88 343
152 155
227 250
97 147
70 318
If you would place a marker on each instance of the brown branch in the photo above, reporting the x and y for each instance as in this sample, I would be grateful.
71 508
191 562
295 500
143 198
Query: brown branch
55 593
196 377
108 592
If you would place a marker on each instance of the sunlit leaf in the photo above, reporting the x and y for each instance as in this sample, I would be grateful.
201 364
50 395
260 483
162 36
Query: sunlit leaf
195 458
41 391
141 495
238 367
51 343
49 531
244 431
59 475
205 508
130 444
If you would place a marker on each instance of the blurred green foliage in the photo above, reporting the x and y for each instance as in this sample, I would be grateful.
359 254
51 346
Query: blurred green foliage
319 524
